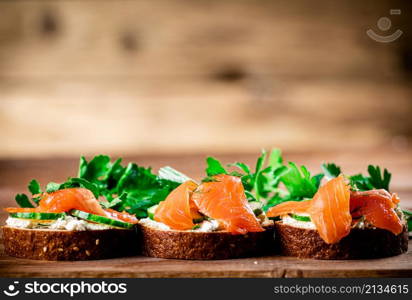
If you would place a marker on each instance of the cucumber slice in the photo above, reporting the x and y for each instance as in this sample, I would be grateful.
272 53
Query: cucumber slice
99 219
300 218
37 215
151 211
198 220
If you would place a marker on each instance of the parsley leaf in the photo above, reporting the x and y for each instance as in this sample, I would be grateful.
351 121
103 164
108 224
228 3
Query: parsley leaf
113 203
132 188
331 170
135 177
299 183
214 167
317 179
113 175
267 180
96 168
250 197
23 201
171 174
52 187
244 167
34 187
275 158
360 182
408 217
266 177
138 201
375 180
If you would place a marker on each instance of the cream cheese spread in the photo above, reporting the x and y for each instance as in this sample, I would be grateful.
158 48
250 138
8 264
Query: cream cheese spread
67 223
205 226
287 220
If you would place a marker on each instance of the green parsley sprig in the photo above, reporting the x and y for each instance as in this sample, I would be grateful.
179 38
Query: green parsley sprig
132 188
376 179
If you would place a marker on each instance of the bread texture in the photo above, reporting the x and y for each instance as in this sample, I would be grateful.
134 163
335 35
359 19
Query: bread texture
205 245
359 244
46 244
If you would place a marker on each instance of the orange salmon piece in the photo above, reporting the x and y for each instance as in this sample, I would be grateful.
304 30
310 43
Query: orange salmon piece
74 198
289 207
176 211
330 210
65 200
68 199
20 209
378 208
225 201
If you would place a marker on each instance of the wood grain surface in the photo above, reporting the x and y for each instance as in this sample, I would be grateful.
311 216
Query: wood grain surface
180 38
137 76
15 175
270 266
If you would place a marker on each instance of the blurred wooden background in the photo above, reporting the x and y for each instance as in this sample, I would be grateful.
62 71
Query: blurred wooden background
175 76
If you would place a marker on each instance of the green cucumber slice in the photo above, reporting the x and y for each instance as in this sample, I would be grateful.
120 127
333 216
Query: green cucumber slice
300 218
151 211
37 215
99 219
198 220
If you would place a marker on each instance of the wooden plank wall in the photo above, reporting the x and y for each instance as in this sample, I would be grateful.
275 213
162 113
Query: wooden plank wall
179 76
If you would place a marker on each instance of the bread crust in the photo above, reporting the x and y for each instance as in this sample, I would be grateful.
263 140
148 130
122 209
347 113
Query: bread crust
43 244
359 244
205 245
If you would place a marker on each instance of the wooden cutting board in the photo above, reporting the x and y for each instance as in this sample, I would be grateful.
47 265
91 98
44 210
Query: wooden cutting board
270 266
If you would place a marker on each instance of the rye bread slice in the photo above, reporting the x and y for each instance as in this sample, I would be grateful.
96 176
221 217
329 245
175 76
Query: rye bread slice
43 244
359 244
205 245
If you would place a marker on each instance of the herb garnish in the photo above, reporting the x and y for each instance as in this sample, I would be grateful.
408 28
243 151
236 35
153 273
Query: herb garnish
375 180
408 217
131 188
331 170
258 184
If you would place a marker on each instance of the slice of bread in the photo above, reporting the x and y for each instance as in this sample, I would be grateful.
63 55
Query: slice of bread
205 245
46 244
359 244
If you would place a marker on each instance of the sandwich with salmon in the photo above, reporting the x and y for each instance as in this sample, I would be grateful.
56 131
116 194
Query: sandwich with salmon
347 217
219 218
84 218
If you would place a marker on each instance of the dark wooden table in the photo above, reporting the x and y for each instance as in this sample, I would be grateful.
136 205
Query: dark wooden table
15 174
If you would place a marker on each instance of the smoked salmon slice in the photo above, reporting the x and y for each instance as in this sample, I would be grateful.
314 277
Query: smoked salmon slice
225 201
65 200
378 208
177 211
68 199
21 209
289 207
328 210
